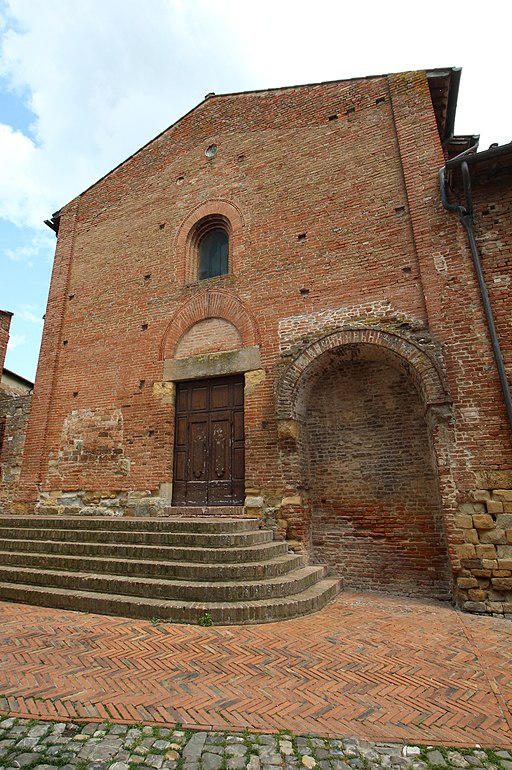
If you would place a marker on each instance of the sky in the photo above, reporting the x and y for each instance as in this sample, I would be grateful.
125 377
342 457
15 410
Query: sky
85 83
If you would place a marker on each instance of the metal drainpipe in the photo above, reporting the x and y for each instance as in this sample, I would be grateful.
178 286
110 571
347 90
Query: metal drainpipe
466 217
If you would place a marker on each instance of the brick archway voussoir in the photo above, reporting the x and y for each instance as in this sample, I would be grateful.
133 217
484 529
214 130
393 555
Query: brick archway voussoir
420 365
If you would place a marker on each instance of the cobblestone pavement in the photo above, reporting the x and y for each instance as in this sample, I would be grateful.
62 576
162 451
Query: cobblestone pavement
34 745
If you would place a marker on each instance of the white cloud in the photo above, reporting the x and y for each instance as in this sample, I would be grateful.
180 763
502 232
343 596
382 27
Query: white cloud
15 341
103 79
26 313
23 194
41 246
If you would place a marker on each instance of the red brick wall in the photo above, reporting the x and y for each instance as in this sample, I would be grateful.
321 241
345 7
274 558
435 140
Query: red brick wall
275 163
373 493
484 582
210 335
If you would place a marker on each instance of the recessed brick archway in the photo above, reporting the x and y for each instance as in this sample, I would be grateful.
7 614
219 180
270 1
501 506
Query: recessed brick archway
423 370
362 460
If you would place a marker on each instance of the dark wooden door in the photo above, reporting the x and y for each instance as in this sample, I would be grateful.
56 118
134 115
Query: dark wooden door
209 442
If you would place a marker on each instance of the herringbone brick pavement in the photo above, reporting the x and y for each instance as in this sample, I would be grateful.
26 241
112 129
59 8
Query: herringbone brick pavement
368 665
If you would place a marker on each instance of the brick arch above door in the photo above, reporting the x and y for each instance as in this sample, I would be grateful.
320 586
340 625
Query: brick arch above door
212 303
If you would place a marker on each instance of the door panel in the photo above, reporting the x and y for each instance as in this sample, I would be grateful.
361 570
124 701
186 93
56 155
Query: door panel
209 443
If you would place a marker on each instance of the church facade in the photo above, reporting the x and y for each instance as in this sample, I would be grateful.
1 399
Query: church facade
267 310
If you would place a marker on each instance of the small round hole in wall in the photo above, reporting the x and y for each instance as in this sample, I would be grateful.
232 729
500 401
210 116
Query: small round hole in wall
211 151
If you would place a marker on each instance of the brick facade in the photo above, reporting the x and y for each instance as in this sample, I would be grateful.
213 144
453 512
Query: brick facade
371 403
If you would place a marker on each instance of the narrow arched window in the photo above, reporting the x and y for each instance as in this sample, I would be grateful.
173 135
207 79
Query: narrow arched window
213 253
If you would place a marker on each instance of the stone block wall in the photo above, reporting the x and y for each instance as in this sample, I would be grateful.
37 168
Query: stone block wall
14 412
5 323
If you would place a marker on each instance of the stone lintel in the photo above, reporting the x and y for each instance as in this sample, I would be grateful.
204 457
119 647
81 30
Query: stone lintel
212 364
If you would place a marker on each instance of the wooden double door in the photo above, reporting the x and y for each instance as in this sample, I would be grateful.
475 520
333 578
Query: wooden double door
209 442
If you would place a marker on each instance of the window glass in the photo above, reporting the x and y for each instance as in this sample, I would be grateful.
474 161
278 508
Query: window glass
213 253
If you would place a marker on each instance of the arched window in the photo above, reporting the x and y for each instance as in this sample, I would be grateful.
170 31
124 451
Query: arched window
209 247
213 250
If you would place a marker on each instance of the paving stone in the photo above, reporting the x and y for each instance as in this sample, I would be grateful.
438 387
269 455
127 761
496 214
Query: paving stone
213 749
154 760
89 729
27 743
8 723
211 761
161 745
308 761
503 754
122 755
254 762
215 740
455 759
55 751
235 763
236 750
119 766
22 760
132 735
436 758
191 765
269 755
192 750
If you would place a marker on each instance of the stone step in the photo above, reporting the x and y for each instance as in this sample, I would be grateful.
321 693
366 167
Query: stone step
144 537
204 524
156 588
223 613
251 553
181 570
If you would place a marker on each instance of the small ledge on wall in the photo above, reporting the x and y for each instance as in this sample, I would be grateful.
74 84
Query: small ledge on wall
212 364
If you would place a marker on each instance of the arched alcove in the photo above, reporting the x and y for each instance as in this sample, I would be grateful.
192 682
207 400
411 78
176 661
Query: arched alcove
364 463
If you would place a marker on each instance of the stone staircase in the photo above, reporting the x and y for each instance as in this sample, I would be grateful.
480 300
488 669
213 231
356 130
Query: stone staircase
174 569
